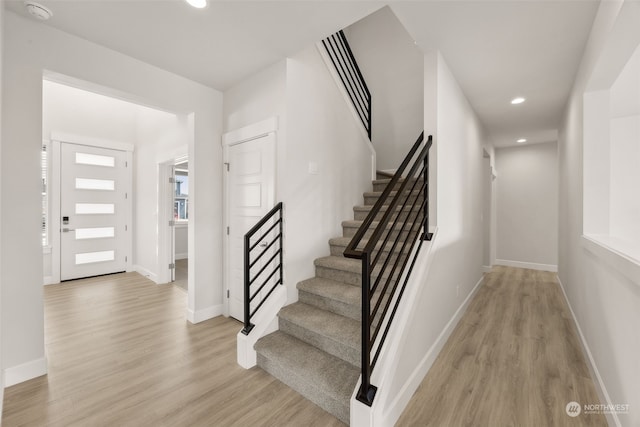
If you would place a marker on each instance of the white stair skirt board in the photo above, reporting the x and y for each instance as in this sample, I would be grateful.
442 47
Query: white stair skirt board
529 265
146 273
612 418
486 269
26 371
204 314
265 322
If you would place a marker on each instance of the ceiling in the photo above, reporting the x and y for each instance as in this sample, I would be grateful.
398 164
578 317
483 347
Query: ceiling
496 49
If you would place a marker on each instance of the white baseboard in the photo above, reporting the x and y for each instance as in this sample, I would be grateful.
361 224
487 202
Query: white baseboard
1 394
26 371
204 314
529 265
146 273
184 255
48 280
612 418
413 382
486 269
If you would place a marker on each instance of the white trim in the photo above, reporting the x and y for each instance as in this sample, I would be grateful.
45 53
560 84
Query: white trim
146 273
91 141
529 265
253 131
338 81
204 314
239 136
612 418
402 399
165 214
265 321
24 372
183 255
1 392
48 280
603 248
486 269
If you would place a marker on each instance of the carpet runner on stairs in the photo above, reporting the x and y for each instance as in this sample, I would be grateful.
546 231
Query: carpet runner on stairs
316 351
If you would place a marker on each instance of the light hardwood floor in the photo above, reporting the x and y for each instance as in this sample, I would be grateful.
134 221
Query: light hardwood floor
182 273
514 359
122 354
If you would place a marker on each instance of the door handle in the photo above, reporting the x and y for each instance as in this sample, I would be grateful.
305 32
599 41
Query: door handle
66 230
263 245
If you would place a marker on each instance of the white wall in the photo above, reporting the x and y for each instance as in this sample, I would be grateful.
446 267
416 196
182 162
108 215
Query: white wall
257 98
30 48
527 206
314 125
457 258
323 132
603 289
392 66
1 142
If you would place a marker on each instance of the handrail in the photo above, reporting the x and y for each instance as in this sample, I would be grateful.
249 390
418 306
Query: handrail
251 260
396 232
347 68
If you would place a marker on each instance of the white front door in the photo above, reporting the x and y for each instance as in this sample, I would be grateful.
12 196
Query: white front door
250 195
93 211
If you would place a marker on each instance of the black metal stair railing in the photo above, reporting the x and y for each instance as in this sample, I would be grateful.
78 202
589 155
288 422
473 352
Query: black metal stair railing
264 239
347 68
385 254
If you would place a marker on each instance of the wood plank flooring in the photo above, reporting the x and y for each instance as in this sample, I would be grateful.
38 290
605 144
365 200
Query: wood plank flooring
514 359
122 354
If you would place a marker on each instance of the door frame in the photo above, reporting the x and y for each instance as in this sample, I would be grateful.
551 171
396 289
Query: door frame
166 238
235 137
55 139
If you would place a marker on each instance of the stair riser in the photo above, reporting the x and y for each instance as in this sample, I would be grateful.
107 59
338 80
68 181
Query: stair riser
344 352
360 215
298 383
354 279
351 231
337 307
380 186
370 200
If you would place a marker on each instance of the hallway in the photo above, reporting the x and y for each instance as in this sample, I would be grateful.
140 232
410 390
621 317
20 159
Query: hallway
514 359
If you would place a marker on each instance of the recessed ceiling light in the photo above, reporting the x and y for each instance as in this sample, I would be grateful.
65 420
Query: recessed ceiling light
37 10
521 140
518 100
198 4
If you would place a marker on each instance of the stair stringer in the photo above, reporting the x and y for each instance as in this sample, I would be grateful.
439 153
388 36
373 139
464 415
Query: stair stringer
387 408
265 322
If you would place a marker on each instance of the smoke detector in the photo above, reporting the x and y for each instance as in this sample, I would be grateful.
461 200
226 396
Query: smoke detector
37 10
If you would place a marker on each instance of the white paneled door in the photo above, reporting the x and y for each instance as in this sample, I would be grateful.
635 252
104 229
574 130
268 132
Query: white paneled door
93 211
250 195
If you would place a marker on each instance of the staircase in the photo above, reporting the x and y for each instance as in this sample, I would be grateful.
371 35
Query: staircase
316 351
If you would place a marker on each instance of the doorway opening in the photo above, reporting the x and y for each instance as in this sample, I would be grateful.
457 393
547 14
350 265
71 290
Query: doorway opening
181 224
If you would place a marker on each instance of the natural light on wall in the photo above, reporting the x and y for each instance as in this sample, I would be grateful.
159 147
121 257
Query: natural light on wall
198 4
612 162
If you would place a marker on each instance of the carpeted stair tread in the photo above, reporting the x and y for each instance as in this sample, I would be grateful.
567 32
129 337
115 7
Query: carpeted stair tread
332 290
320 377
339 263
333 333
